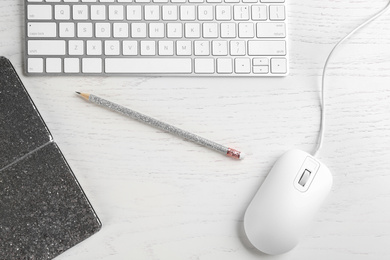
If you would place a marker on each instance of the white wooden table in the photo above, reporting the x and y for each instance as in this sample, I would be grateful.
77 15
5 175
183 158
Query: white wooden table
160 197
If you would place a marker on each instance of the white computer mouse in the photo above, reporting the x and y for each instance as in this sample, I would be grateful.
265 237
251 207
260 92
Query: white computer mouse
286 202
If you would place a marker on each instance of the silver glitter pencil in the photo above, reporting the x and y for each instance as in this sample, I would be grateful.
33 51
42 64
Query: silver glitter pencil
163 126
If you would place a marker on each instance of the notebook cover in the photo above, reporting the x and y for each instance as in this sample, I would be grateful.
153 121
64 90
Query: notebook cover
43 209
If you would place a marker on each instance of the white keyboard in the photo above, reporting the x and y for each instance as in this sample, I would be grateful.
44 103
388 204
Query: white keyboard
156 37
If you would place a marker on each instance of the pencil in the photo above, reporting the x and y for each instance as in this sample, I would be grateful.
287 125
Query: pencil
163 126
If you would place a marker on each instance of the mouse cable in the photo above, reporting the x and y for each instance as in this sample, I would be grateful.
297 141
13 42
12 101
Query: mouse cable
322 123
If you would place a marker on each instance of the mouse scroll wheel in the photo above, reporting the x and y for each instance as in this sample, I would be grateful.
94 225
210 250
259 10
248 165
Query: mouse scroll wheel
304 177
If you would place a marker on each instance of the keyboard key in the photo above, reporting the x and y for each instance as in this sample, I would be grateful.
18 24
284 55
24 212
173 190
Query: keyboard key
277 13
84 30
242 65
67 30
115 12
174 30
80 12
43 47
192 30
169 13
148 65
187 13
220 48
98 12
241 12
156 30
35 65
204 66
260 69
103 30
259 48
39 12
271 30
71 65
210 30
278 65
76 47
260 61
223 13
130 48
183 48
202 48
148 48
138 30
165 48
259 12
228 30
246 30
62 12
111 48
92 65
205 12
152 12
53 65
225 65
42 30
121 30
237 48
94 47
134 13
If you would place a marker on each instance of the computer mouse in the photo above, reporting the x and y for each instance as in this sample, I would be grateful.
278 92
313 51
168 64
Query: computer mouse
283 207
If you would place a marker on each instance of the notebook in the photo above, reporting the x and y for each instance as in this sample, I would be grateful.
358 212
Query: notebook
43 209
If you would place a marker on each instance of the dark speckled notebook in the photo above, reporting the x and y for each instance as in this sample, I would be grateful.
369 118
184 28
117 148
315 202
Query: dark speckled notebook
43 209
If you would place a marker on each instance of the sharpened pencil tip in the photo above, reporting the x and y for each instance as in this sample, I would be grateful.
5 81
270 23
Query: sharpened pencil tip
83 95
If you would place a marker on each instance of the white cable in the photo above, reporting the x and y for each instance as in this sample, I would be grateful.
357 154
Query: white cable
322 124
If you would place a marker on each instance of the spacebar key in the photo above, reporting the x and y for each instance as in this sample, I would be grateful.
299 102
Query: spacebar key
148 65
